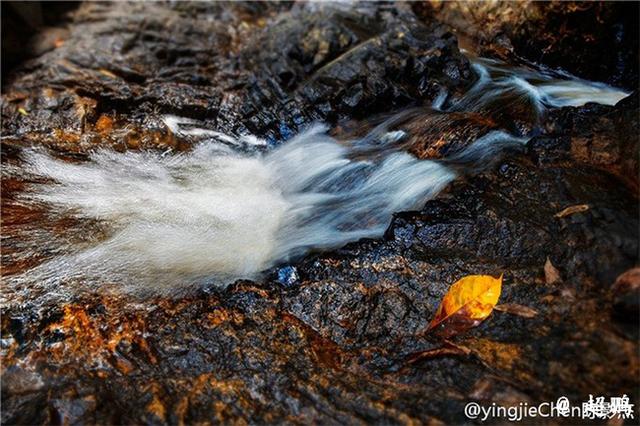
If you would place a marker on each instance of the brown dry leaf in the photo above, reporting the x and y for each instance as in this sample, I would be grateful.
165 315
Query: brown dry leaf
467 303
551 274
107 73
578 208
516 309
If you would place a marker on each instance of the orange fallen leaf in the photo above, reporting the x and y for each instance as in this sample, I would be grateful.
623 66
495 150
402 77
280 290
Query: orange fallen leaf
467 303
516 309
579 208
551 274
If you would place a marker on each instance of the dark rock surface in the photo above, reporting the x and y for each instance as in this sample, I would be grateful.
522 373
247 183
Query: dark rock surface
594 40
237 67
336 337
600 136
29 29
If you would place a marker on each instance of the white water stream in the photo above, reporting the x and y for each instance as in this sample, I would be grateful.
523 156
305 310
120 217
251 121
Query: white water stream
217 213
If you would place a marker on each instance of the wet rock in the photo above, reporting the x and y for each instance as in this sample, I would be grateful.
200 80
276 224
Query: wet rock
72 411
340 63
132 60
30 29
425 132
248 68
594 40
337 345
626 291
16 381
601 136
444 135
288 276
332 337
375 296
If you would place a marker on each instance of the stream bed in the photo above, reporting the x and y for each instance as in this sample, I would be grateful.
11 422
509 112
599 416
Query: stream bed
249 213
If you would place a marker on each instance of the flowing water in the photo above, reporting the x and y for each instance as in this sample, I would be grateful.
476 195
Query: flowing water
230 209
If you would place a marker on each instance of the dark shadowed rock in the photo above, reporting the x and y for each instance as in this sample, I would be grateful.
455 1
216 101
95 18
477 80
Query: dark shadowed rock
238 68
598 135
593 40
626 292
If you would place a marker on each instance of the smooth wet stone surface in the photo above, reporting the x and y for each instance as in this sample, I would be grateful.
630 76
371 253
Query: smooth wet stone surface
335 337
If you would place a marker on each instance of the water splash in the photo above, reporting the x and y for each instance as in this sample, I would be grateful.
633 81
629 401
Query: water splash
217 215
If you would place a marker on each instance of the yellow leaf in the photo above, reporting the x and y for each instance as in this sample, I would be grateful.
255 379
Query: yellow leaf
23 111
470 300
